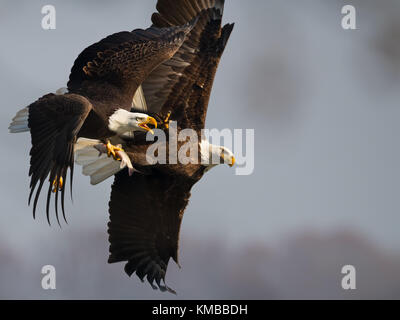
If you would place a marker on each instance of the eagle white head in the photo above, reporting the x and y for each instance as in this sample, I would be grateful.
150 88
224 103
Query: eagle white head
213 155
123 121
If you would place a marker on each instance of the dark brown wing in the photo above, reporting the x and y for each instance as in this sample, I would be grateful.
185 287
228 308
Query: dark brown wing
145 218
183 84
54 122
118 64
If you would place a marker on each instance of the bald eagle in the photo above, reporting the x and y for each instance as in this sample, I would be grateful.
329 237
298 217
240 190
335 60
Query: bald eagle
127 83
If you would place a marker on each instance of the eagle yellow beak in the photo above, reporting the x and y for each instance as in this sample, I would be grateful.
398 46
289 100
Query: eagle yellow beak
149 120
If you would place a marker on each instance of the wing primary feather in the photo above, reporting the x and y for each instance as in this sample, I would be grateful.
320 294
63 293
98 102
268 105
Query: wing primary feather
52 178
60 173
62 203
56 207
48 205
56 197
44 172
71 175
37 197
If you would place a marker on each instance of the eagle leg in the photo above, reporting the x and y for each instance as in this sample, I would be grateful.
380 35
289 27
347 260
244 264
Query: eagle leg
113 150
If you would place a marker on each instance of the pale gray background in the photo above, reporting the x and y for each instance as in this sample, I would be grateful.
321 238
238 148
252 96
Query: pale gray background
325 106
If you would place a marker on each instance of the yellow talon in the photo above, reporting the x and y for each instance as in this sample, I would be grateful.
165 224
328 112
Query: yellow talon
166 121
112 151
58 184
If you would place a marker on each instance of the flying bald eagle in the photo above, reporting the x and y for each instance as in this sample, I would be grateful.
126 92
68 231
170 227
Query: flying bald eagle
117 87
97 103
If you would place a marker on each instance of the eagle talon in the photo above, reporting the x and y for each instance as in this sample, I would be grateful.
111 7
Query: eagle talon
112 151
121 155
58 184
166 120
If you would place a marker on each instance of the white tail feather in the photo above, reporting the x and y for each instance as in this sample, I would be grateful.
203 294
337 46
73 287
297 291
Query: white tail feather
84 142
20 122
98 167
104 173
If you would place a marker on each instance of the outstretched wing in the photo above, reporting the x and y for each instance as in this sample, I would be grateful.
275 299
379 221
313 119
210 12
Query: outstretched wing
54 122
183 84
113 68
145 218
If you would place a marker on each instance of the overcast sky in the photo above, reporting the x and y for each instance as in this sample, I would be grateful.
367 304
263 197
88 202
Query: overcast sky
324 103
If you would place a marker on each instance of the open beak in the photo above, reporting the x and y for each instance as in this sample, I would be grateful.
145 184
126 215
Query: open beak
233 161
149 120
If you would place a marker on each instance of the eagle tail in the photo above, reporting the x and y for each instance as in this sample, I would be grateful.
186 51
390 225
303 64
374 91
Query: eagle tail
20 122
